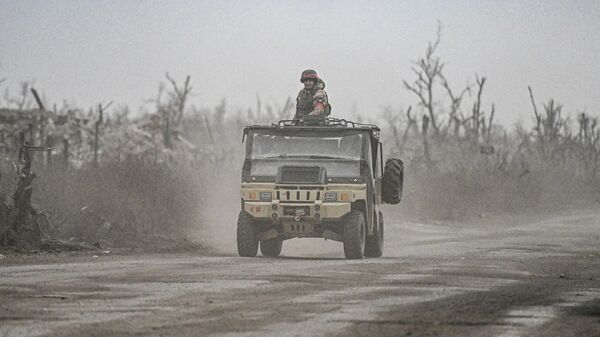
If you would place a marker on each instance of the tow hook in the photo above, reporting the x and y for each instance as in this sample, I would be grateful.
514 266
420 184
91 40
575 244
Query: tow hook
299 214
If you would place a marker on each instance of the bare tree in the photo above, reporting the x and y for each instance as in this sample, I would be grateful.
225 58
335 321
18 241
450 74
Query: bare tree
588 141
178 98
219 115
173 110
427 70
426 147
490 123
393 121
99 121
551 129
476 112
455 116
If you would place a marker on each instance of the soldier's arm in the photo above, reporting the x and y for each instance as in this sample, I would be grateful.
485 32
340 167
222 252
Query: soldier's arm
319 103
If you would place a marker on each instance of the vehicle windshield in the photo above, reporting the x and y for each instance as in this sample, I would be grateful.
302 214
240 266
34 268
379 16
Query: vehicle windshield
339 155
266 146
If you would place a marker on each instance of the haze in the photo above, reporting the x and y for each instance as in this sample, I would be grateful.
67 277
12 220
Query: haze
95 51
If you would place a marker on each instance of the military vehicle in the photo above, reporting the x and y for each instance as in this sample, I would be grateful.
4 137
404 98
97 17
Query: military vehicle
315 177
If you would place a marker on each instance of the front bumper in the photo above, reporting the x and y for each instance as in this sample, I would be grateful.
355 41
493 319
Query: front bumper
316 220
300 211
316 212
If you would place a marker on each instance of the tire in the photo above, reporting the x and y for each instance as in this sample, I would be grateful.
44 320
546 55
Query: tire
393 181
247 243
271 247
374 243
354 235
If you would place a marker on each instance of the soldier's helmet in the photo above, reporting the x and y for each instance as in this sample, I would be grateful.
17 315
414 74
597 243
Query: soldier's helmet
309 74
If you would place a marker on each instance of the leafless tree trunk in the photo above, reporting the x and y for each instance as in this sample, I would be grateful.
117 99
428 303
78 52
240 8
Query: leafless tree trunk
490 123
428 70
66 151
97 134
179 98
410 123
38 120
477 114
455 103
38 100
393 122
99 121
588 144
24 230
426 149
172 112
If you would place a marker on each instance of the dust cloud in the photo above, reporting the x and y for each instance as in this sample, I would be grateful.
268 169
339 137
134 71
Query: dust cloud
219 211
217 224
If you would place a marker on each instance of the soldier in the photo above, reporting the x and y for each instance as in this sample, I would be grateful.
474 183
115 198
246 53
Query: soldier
312 100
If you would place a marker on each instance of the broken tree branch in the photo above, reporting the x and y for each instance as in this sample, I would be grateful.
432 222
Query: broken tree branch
535 110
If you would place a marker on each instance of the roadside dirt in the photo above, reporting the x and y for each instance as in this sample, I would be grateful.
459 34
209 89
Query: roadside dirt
513 276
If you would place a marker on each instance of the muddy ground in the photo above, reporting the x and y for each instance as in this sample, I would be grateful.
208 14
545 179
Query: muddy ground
509 276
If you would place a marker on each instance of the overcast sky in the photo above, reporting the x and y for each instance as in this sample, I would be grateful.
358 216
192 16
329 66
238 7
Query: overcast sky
95 51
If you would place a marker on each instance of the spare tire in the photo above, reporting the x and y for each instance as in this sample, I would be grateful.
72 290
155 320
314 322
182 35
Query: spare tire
393 181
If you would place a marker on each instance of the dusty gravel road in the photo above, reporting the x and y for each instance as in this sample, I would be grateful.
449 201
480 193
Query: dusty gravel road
511 277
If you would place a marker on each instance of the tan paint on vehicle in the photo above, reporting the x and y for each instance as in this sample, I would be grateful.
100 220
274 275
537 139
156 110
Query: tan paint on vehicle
310 196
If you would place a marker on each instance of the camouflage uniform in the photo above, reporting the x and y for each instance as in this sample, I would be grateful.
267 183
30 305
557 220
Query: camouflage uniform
313 101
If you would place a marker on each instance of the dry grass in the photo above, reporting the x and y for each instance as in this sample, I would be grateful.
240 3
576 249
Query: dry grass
128 203
465 194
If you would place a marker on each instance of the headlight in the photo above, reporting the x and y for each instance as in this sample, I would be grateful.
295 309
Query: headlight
265 196
330 196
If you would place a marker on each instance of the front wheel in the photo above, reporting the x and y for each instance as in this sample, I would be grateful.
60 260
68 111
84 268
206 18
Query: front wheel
354 235
247 243
374 244
271 247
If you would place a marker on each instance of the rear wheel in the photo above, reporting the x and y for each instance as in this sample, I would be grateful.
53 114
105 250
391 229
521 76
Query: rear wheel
271 247
247 243
354 235
374 243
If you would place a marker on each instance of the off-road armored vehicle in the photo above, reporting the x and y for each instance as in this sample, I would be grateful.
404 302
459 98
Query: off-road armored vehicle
320 177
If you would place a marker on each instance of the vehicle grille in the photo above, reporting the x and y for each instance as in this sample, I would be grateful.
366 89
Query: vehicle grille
297 195
300 174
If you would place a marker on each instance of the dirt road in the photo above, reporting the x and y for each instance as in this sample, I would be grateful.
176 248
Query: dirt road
509 277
